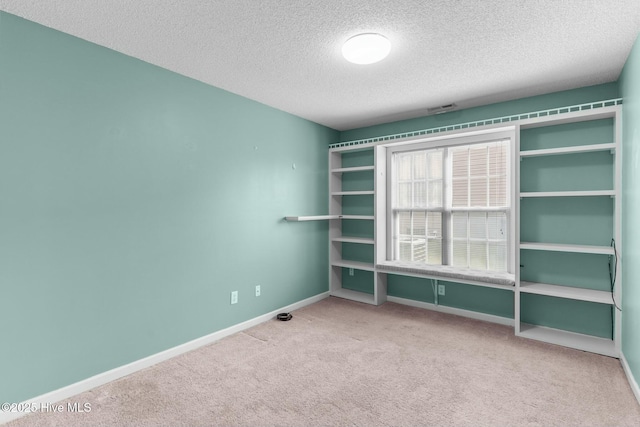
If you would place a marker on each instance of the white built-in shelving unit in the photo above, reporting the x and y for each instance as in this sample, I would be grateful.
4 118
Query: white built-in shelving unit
576 291
340 266
341 219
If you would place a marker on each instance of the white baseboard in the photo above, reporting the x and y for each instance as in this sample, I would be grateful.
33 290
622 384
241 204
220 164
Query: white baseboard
116 373
452 310
632 380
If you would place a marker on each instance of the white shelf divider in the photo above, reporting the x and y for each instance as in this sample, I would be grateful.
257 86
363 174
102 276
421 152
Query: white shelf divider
346 239
558 247
569 150
595 193
363 217
569 292
583 342
353 264
353 169
353 295
310 218
351 193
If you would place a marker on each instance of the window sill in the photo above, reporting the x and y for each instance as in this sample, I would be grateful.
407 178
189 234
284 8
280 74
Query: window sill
496 279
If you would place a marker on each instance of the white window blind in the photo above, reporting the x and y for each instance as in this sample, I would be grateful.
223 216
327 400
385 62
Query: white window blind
451 205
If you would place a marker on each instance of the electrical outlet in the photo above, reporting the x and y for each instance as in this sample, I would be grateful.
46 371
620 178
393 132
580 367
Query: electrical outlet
234 297
441 290
351 272
257 290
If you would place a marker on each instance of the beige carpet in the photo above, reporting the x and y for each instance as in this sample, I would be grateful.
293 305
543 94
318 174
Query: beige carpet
341 363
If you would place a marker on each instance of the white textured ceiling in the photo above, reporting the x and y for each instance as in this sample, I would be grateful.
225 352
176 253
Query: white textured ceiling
286 53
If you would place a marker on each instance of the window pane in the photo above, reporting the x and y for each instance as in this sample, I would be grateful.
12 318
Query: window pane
478 255
498 159
419 249
420 165
459 225
404 223
478 180
405 250
434 160
478 192
498 191
419 194
477 225
419 224
435 194
460 193
497 257
404 195
497 225
434 251
403 166
478 161
459 163
459 252
434 225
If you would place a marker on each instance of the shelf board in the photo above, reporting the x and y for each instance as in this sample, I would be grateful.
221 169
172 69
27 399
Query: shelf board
610 193
353 295
365 217
326 217
310 218
352 193
568 150
557 247
357 265
352 169
581 294
346 239
569 339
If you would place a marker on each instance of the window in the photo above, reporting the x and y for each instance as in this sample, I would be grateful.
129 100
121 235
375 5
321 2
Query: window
449 202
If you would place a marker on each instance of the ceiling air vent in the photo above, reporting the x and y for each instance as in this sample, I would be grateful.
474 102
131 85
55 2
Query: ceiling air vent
441 109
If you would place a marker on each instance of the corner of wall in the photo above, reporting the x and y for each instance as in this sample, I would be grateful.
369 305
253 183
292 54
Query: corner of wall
630 91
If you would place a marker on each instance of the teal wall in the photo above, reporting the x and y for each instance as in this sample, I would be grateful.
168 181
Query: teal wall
630 89
132 202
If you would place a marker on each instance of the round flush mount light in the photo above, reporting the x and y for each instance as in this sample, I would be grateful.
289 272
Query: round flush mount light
366 48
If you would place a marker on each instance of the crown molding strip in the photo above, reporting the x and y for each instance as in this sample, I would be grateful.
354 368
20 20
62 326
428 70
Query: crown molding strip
485 122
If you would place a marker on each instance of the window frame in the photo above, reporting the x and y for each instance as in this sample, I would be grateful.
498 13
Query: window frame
384 201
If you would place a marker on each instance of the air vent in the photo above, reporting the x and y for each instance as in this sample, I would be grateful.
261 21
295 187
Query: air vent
441 109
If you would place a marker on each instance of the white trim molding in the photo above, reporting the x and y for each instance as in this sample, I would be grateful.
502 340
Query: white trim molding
130 368
452 310
632 380
480 123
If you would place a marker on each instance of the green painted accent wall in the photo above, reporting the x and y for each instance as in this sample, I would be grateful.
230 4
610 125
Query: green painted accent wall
630 89
586 171
577 316
578 221
133 201
589 271
361 281
357 158
493 301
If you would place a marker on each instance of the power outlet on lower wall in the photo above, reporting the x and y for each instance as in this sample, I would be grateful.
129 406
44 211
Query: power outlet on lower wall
441 290
234 297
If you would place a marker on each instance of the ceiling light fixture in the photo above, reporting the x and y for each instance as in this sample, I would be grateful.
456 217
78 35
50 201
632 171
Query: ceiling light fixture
366 48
